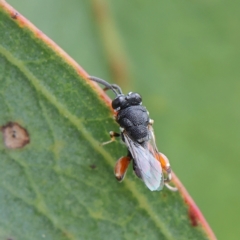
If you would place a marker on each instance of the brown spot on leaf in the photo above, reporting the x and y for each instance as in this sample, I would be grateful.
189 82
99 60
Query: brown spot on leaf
14 135
193 216
93 166
164 195
15 15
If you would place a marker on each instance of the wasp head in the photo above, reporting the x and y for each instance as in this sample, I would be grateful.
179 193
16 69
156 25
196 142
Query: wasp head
123 101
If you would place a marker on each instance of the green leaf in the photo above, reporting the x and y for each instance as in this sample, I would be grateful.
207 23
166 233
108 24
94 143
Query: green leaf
59 183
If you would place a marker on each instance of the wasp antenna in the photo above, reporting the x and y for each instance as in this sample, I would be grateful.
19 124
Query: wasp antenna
114 87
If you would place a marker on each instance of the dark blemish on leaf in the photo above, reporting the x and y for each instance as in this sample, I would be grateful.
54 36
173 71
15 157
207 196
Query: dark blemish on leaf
93 166
14 135
164 195
192 216
15 15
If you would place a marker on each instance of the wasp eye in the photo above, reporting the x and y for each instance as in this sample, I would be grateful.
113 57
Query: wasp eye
118 102
134 98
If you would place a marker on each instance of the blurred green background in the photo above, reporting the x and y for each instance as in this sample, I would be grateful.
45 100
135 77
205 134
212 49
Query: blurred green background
184 59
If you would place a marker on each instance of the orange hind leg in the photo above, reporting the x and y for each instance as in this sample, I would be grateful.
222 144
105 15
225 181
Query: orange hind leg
121 167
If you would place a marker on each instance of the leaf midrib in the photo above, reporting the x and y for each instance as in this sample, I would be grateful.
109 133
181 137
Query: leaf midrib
142 200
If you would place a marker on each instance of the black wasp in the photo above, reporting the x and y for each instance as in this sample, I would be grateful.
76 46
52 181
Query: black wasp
137 134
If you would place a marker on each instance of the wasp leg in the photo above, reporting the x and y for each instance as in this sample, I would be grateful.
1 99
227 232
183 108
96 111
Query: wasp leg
173 189
165 165
167 168
151 121
112 136
121 167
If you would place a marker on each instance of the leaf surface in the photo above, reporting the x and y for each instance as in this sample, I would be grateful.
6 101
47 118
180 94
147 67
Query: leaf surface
60 184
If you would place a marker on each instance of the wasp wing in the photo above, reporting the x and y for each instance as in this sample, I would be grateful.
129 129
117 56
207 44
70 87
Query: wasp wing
147 166
152 142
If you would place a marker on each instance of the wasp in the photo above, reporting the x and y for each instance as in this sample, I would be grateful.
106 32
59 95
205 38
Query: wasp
137 134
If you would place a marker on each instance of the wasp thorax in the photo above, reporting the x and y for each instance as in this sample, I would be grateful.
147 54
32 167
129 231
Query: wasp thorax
123 101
